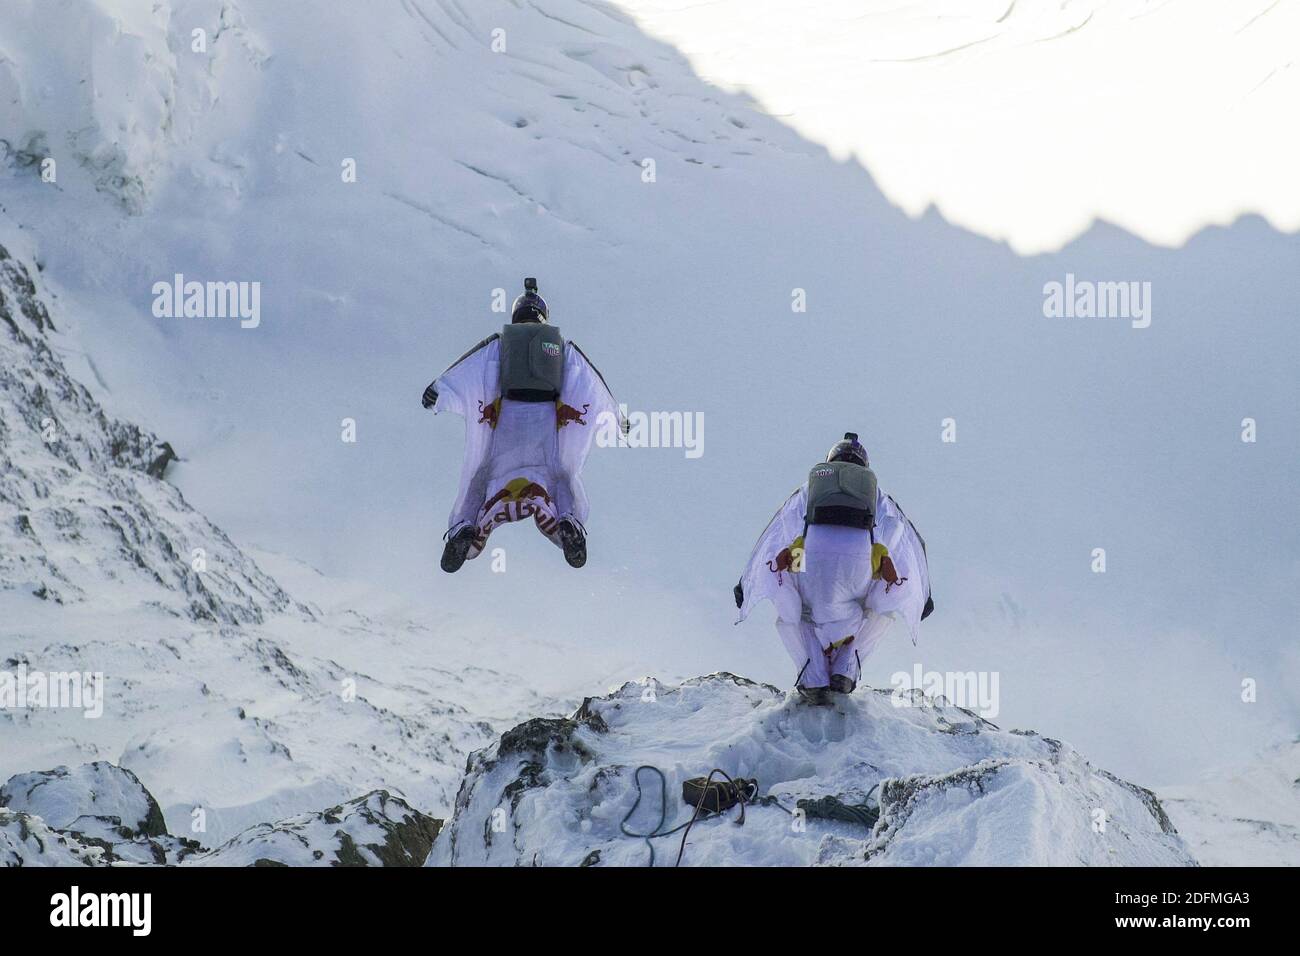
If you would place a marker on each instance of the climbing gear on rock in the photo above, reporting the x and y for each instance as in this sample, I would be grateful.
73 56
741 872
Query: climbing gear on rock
706 792
719 795
832 808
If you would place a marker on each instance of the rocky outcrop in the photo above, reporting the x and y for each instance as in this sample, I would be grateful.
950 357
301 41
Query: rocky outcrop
97 814
26 840
63 796
876 779
377 829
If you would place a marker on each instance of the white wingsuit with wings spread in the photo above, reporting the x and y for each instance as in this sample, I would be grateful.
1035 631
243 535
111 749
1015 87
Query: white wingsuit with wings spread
522 459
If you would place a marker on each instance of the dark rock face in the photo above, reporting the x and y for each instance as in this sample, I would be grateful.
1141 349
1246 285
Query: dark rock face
864 782
75 482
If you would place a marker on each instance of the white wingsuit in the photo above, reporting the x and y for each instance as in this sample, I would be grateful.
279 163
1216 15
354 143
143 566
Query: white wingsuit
833 604
522 459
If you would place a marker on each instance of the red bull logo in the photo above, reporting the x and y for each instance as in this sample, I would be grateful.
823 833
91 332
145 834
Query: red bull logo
567 413
788 560
782 562
519 499
518 490
489 414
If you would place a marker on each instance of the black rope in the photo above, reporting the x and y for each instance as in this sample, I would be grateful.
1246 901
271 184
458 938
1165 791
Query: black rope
658 830
827 808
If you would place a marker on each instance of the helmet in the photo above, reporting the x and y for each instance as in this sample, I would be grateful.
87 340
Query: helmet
529 307
848 449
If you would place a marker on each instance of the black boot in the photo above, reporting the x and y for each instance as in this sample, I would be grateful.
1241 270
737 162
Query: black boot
457 549
841 684
816 696
574 543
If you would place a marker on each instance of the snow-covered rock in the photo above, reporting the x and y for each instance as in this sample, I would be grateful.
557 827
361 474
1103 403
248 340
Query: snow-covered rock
377 829
63 796
26 840
950 787
100 807
99 814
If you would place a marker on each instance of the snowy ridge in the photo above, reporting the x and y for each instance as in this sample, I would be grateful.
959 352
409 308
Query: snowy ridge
953 789
83 509
257 724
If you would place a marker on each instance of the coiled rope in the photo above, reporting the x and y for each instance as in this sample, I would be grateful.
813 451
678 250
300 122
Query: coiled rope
658 830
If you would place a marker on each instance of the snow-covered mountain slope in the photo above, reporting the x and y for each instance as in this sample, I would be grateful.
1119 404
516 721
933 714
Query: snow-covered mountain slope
214 684
113 91
951 789
99 814
82 510
984 108
1249 816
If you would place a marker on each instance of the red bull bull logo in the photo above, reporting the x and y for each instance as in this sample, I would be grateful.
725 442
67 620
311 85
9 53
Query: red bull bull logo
567 413
789 560
489 414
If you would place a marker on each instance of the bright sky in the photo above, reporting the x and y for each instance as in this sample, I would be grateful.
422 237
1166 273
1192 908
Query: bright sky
1025 120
